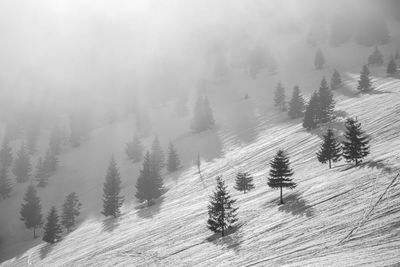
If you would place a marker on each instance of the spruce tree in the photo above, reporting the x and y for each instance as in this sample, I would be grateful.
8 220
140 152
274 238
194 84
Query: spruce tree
280 96
336 80
296 104
355 147
134 149
244 182
330 149
70 210
326 103
376 58
222 213
173 163
157 154
52 228
112 201
280 173
22 166
6 157
364 83
149 185
319 59
310 115
31 210
42 174
391 67
5 184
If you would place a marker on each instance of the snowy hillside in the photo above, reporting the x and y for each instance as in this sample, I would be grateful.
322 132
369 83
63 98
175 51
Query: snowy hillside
340 217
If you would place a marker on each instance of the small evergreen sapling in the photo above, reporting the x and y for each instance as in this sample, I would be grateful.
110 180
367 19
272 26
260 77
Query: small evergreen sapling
173 163
112 201
244 182
296 104
355 147
5 184
52 228
319 61
364 82
280 173
336 80
221 211
71 210
280 97
330 149
31 210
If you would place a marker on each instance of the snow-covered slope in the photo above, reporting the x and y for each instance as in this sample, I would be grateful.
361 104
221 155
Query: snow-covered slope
341 217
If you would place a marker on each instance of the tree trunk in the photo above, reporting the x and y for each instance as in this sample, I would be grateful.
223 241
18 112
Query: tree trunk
356 162
330 165
281 197
34 232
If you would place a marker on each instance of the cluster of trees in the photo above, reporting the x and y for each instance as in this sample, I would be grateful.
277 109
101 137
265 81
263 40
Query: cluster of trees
354 148
31 215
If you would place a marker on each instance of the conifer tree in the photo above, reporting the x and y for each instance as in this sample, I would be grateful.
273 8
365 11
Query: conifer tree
280 173
71 210
280 96
355 147
173 163
203 118
22 166
222 213
296 104
326 103
391 67
31 210
330 149
52 228
6 157
364 83
5 184
319 61
42 174
50 162
134 149
157 154
336 80
244 182
310 115
149 185
112 201
376 58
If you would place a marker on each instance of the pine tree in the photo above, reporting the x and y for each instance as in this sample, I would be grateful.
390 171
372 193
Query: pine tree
280 173
52 228
326 103
391 67
336 80
244 182
5 184
330 149
149 185
6 157
42 174
71 209
173 163
280 97
157 154
31 210
22 166
296 104
364 83
319 59
221 211
134 149
310 115
112 201
355 148
376 58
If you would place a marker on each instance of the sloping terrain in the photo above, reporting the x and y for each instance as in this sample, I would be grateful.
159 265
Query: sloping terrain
345 216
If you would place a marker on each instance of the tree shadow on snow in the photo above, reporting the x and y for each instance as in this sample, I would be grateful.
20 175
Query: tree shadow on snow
110 224
45 249
232 240
376 164
146 212
296 205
